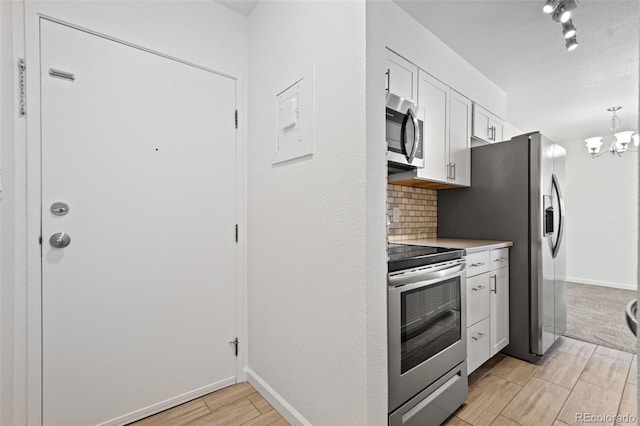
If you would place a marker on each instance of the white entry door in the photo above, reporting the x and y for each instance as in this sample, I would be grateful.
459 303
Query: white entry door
139 308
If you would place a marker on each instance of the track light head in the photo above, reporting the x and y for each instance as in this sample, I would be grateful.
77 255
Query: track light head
571 44
563 10
568 29
550 6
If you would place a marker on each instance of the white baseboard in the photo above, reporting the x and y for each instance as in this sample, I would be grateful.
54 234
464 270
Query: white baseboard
602 283
274 398
169 403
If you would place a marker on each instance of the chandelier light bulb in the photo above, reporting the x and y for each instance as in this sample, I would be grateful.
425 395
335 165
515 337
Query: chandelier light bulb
565 16
571 44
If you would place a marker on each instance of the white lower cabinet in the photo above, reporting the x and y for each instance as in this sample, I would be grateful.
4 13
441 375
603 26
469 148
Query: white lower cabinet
478 344
499 310
487 305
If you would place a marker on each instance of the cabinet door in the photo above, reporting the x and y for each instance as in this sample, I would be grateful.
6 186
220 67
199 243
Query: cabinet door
498 129
433 96
481 123
460 139
499 310
478 299
402 77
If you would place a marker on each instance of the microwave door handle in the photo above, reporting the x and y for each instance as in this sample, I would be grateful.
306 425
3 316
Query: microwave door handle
416 134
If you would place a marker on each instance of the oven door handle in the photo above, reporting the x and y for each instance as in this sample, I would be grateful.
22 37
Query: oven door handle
419 277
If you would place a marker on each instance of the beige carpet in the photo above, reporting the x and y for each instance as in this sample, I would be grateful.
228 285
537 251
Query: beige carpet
597 314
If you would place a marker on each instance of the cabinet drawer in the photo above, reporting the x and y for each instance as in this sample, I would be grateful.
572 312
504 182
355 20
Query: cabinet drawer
478 300
478 344
478 263
499 258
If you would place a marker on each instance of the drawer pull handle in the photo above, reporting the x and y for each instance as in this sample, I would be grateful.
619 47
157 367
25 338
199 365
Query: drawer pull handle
473 265
502 259
478 336
480 287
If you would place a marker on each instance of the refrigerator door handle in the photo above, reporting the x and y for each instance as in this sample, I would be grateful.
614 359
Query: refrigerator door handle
556 187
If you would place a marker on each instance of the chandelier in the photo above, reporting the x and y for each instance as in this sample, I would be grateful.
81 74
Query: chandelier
620 142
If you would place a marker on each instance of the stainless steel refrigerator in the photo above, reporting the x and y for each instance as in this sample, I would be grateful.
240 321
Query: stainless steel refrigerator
516 194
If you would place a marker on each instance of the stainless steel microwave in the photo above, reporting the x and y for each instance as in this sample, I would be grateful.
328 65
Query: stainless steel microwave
405 122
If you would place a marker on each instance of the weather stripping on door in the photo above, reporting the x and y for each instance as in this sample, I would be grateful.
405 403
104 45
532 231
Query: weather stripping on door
62 74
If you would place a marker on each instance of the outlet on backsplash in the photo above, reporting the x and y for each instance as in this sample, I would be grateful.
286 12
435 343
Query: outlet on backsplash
413 212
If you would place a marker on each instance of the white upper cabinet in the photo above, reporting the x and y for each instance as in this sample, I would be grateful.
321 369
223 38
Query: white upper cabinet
402 77
460 139
447 132
433 96
486 126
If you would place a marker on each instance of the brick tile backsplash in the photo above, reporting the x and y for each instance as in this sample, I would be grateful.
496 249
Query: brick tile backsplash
418 212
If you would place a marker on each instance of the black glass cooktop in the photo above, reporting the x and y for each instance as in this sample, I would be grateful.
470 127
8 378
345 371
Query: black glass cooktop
405 256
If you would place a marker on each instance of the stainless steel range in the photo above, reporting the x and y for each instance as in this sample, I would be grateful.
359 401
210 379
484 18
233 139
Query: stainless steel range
426 333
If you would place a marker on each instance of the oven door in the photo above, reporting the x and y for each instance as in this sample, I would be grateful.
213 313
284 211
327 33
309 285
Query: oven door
426 328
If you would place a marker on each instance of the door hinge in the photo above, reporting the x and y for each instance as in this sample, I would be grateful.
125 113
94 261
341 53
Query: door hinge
236 233
236 342
40 239
236 117
22 71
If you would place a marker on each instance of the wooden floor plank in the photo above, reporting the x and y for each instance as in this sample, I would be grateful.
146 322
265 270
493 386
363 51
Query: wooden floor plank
233 414
562 369
486 400
228 395
515 370
576 347
176 416
628 405
587 398
610 373
260 403
270 418
537 404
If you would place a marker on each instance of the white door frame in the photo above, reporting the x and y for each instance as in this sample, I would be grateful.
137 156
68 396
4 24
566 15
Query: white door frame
31 169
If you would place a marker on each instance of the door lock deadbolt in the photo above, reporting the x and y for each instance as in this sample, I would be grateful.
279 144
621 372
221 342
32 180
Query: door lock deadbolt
59 209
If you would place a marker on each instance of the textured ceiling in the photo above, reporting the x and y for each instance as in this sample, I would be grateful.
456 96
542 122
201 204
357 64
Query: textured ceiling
563 94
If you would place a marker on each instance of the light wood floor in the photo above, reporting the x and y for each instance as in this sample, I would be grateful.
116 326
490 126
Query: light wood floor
232 406
577 378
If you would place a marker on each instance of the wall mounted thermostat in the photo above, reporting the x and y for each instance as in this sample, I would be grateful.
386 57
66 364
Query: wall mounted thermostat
294 112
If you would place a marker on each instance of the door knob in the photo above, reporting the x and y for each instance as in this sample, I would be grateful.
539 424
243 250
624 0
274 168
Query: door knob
59 240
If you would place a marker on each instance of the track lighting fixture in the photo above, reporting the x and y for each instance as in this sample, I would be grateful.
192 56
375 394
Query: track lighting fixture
561 12
550 6
568 29
571 44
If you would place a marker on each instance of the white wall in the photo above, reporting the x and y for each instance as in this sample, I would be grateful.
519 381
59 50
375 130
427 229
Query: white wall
201 32
602 210
7 124
407 37
307 218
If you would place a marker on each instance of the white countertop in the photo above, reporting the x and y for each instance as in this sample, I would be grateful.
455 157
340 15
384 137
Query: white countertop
471 246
